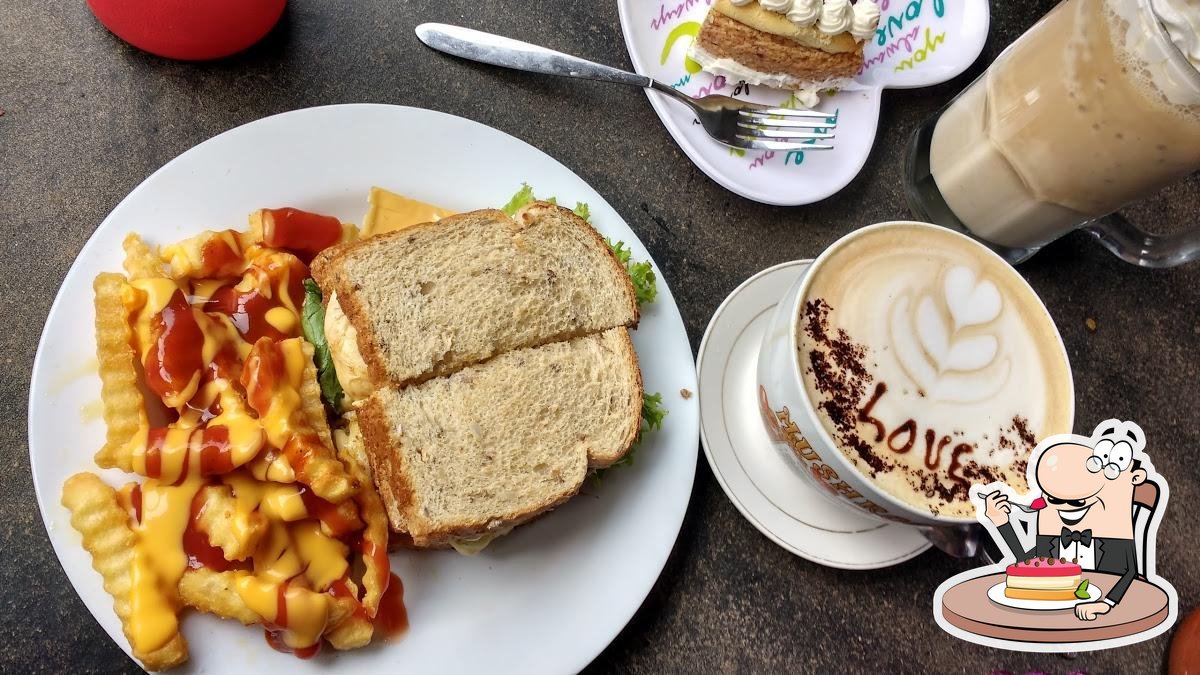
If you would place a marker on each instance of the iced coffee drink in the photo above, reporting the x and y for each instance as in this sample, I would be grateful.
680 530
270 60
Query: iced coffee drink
1096 106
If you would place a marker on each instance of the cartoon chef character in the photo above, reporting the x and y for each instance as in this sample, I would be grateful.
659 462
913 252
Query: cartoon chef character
1085 513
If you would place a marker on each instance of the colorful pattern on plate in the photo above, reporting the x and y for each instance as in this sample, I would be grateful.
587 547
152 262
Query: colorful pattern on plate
918 43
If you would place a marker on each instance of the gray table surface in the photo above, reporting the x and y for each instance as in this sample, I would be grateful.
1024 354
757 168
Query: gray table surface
86 118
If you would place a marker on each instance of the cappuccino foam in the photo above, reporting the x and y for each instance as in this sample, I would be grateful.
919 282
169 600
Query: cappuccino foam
931 363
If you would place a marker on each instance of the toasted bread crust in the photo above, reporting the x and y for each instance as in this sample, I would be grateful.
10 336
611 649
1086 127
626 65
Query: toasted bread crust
367 342
394 488
326 272
442 537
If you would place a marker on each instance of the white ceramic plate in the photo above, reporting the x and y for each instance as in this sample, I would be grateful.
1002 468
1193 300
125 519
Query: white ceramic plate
919 43
546 599
753 473
996 595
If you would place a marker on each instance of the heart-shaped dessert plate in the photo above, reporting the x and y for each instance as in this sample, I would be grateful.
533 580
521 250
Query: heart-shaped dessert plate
918 43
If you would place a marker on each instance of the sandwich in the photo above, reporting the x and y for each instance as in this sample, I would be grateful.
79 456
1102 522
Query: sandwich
486 365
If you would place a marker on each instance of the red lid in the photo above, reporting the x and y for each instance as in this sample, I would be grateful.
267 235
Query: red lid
191 30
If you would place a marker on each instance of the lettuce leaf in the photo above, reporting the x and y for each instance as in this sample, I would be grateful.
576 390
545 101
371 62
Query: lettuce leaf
523 197
653 413
581 209
641 273
312 322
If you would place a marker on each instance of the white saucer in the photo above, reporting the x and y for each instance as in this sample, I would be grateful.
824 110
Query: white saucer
758 480
996 595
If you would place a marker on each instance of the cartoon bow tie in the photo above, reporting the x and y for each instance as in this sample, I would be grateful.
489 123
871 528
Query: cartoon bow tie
1084 537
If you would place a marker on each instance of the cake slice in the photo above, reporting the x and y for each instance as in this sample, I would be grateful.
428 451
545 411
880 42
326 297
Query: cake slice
461 459
1043 579
788 44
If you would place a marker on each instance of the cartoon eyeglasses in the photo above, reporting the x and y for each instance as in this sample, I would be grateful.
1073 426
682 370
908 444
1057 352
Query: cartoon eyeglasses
1111 458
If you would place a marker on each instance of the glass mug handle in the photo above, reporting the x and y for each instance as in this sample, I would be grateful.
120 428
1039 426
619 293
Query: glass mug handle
1134 245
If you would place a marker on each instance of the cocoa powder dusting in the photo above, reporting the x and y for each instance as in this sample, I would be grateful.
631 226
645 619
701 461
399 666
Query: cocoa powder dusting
849 356
816 320
866 453
839 375
1021 426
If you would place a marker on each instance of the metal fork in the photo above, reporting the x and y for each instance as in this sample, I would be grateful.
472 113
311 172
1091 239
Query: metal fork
740 124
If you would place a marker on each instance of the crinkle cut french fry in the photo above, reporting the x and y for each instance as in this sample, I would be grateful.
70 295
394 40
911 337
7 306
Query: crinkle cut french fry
322 471
215 593
318 470
351 633
124 405
376 573
255 234
340 609
98 516
346 629
351 450
311 405
354 455
236 534
141 261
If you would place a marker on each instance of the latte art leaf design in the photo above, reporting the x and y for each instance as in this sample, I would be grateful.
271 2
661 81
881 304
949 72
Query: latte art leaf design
970 301
944 363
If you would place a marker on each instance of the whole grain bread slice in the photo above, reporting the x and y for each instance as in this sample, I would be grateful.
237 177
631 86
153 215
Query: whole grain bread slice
491 446
430 299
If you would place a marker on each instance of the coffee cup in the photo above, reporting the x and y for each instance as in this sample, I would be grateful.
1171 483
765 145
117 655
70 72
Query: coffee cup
906 363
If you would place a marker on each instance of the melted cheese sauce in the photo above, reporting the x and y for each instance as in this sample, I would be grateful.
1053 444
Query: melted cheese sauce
219 341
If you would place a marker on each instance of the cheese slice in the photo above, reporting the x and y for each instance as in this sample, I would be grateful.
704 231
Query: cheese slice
390 212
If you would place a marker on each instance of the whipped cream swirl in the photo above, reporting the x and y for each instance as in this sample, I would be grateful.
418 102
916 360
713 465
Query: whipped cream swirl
836 17
832 17
1181 18
805 12
864 21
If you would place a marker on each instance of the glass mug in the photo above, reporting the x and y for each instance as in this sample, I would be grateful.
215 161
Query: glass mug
1092 108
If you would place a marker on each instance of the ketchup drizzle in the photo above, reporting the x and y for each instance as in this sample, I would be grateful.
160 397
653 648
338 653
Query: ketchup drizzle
216 454
338 521
175 355
247 310
218 258
274 631
200 552
263 369
135 500
392 618
303 233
